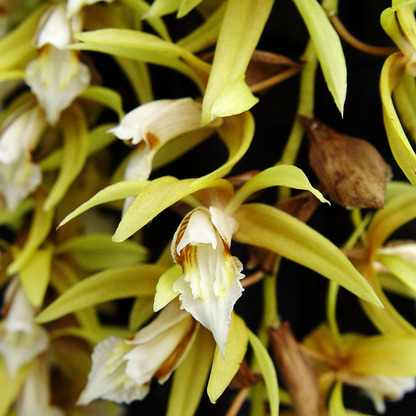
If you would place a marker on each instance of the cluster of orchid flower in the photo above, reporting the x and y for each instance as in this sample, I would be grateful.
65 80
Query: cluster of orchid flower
57 357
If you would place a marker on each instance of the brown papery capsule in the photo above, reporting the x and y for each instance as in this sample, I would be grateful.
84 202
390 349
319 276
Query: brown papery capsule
298 372
352 171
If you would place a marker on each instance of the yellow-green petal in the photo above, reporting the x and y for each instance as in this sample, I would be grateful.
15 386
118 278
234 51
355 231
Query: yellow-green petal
390 355
111 193
105 96
336 404
223 371
97 251
328 49
268 372
281 175
241 28
35 275
74 128
395 213
188 385
111 284
393 70
40 227
267 227
164 288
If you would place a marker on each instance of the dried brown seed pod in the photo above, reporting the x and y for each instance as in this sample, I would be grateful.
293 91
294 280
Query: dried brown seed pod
351 169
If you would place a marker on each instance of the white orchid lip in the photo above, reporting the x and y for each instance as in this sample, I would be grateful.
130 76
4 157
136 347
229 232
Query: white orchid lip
210 285
21 340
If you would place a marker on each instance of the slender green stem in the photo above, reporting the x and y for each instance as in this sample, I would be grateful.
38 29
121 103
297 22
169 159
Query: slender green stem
305 107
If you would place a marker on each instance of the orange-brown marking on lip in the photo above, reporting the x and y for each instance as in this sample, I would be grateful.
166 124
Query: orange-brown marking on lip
153 140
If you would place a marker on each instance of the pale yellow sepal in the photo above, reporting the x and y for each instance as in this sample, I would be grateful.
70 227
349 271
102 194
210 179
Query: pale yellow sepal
206 34
405 104
328 48
267 370
10 387
388 354
336 404
40 227
74 128
268 227
16 47
164 288
105 96
397 212
223 371
393 70
234 99
114 192
145 47
111 284
240 31
35 275
161 8
281 175
188 385
403 269
95 252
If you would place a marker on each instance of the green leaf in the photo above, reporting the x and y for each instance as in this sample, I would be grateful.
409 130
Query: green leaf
35 275
328 48
74 127
403 269
188 384
268 371
114 192
97 251
395 213
405 156
39 229
336 404
264 226
105 96
281 175
223 371
241 28
164 288
111 284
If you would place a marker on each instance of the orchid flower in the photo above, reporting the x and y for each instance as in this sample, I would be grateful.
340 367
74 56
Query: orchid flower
383 366
122 369
210 285
19 176
57 76
21 340
152 125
